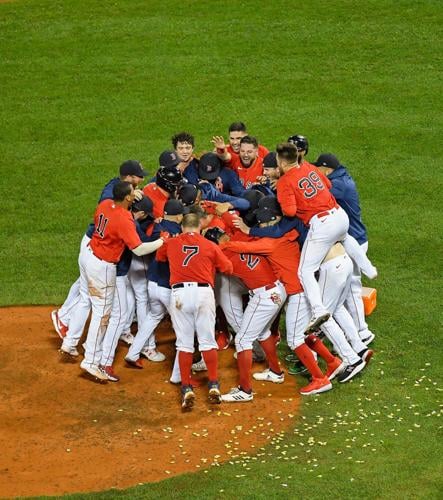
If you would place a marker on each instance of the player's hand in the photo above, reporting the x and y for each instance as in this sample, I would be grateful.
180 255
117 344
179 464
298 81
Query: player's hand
138 194
158 220
221 208
208 206
164 235
262 179
218 184
239 224
219 142
140 215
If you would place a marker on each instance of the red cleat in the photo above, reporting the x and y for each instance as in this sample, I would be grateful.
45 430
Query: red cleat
317 386
223 340
59 327
137 363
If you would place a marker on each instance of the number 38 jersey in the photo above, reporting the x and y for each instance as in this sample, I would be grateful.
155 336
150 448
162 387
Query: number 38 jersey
114 229
193 258
304 191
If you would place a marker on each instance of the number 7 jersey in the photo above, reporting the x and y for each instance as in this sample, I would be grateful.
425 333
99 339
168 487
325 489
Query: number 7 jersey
193 258
304 191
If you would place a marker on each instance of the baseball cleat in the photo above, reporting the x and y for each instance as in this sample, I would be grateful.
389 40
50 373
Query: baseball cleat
351 370
59 327
366 337
317 321
70 351
237 395
297 368
223 340
269 376
134 363
366 355
291 358
110 374
188 397
94 371
317 386
127 338
214 394
334 368
200 366
153 355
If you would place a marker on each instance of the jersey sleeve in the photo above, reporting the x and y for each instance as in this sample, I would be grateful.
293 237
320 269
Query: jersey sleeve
233 182
286 198
263 246
161 254
128 233
222 263
280 229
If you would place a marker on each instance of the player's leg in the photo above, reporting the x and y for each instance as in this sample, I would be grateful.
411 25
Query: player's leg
230 299
137 276
144 341
127 336
358 255
323 233
115 328
297 318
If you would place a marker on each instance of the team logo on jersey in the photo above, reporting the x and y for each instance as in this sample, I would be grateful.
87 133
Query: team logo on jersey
276 298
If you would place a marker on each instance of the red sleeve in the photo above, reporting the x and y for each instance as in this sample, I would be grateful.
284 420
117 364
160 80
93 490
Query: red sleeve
128 233
227 218
286 198
222 263
262 246
161 255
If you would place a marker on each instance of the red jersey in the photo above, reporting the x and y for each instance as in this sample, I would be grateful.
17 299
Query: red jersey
255 271
283 255
304 191
158 198
262 151
193 258
247 175
114 229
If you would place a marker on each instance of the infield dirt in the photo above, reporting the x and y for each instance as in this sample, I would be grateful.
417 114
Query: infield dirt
62 433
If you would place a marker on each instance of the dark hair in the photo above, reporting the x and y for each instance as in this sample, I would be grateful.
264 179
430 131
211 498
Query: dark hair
248 139
287 151
120 190
182 137
237 127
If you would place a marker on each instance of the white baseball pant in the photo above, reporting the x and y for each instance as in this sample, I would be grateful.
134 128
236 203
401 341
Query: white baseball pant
137 299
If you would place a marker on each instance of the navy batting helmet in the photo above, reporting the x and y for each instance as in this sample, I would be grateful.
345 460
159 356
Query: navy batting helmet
214 234
300 142
168 178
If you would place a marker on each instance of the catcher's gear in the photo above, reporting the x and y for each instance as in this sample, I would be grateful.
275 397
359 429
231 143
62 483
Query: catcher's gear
168 179
214 233
300 142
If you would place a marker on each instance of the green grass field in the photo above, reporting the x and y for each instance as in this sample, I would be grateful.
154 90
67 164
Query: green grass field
85 85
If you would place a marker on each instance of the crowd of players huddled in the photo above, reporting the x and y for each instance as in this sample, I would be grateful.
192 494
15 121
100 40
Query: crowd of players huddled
293 233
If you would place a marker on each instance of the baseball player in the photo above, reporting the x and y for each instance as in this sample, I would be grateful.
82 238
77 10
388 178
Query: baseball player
114 229
247 164
303 190
236 132
193 261
283 254
302 145
267 296
130 171
159 292
345 192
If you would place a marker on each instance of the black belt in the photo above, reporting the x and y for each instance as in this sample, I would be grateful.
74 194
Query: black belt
182 285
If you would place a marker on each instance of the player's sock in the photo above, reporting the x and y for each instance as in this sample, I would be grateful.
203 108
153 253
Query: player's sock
211 360
307 358
185 364
270 349
317 345
244 361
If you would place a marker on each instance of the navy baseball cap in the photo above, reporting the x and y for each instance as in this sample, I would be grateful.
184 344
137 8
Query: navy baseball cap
168 159
270 160
132 167
214 233
265 215
187 194
209 167
143 205
270 202
327 160
174 207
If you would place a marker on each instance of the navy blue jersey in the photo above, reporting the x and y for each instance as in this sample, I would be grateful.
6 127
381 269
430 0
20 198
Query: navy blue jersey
284 226
231 183
345 192
159 271
210 193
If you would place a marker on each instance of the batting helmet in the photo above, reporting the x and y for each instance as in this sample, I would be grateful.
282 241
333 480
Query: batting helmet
300 142
214 233
168 179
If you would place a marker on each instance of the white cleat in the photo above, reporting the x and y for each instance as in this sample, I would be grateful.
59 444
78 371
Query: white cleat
127 338
153 355
237 395
200 366
269 376
93 370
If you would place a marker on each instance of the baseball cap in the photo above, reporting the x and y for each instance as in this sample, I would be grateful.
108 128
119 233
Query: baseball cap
132 167
270 160
253 196
271 203
168 159
214 233
209 167
187 194
327 160
143 205
174 207
265 215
